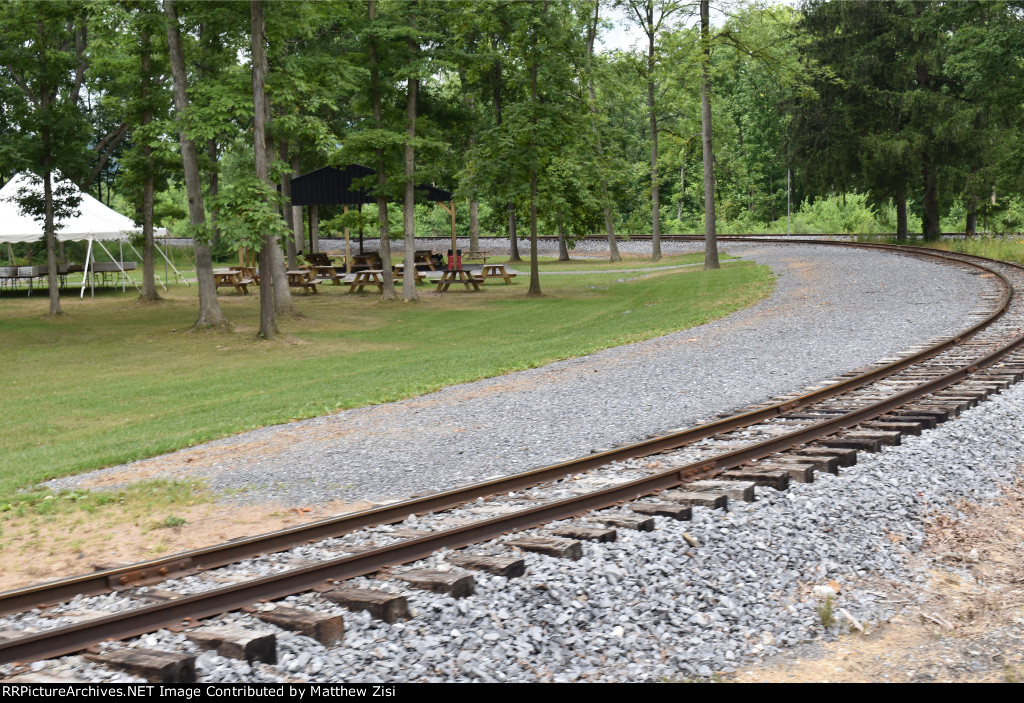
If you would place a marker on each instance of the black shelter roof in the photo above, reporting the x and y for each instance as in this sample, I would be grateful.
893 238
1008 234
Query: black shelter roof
333 185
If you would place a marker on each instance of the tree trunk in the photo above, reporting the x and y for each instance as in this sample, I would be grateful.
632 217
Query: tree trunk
409 201
513 242
53 282
148 262
930 218
682 189
972 216
209 308
710 234
534 104
268 278
286 194
655 196
213 154
382 202
609 219
901 217
284 303
563 251
474 225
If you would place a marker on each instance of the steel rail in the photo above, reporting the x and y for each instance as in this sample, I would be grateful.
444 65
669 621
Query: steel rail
218 555
65 640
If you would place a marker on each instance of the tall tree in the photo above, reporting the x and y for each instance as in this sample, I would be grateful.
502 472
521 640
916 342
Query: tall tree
609 218
653 17
710 235
409 154
268 323
380 161
44 54
209 308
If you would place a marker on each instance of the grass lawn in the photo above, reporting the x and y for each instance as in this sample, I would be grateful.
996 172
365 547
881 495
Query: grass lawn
116 379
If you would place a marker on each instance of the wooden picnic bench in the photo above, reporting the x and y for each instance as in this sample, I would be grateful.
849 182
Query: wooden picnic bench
329 273
399 270
366 277
476 256
371 260
251 273
497 271
462 276
232 279
318 258
304 279
427 258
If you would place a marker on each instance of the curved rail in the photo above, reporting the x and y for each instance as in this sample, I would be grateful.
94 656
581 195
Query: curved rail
72 638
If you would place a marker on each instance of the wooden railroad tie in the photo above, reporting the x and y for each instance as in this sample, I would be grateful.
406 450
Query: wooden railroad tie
389 607
328 630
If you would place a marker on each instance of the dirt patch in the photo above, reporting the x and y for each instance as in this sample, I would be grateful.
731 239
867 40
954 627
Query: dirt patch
966 625
36 550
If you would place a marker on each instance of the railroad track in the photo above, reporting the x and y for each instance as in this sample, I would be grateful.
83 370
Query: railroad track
789 439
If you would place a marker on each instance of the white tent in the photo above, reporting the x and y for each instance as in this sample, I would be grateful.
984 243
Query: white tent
95 222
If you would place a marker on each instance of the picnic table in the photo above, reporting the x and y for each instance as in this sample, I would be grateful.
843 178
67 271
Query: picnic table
250 273
425 257
497 271
399 270
462 276
232 278
473 255
328 273
304 279
371 260
367 277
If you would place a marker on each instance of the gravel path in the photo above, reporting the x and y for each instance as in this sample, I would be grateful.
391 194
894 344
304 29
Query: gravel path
650 608
834 310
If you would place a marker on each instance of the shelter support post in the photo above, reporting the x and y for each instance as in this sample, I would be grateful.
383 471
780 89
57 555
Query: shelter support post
348 248
314 229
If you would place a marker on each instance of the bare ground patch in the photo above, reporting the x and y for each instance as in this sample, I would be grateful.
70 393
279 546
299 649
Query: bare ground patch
965 626
36 550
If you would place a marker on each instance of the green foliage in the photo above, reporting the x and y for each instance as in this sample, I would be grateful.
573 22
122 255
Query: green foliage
248 209
172 521
826 612
157 492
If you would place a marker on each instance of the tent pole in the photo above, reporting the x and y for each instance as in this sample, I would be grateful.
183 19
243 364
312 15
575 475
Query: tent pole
85 273
120 247
119 267
173 267
140 256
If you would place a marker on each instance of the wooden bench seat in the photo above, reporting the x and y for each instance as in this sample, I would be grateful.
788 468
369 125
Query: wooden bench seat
476 256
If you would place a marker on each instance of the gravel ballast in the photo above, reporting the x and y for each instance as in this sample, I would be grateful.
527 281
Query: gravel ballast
691 599
651 607
833 310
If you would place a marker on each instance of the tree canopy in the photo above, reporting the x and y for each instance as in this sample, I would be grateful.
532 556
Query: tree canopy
525 109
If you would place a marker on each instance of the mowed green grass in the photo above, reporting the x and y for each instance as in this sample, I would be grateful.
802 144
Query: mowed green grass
116 379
